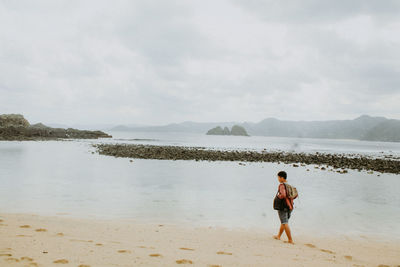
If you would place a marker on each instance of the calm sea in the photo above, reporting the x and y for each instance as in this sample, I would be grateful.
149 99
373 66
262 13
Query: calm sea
65 177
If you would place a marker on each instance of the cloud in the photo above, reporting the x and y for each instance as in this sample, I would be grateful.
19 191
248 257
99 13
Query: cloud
157 62
319 11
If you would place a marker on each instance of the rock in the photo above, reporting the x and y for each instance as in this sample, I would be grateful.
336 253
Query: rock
194 153
216 131
236 130
16 127
39 125
226 131
15 120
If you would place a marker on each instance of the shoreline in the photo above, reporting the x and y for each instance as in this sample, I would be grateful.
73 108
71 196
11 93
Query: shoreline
35 240
338 162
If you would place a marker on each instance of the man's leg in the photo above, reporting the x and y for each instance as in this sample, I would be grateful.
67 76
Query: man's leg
281 229
288 233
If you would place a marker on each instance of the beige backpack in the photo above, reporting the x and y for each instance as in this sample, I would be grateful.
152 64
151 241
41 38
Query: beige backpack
291 191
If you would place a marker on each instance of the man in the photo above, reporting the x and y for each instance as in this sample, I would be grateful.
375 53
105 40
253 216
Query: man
286 209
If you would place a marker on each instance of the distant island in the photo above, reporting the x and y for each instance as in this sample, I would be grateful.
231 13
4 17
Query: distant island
14 127
236 130
362 128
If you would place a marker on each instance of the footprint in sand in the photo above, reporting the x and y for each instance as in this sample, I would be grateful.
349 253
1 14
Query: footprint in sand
84 265
12 259
329 251
310 245
223 253
26 259
33 264
214 265
59 234
41 230
384 265
80 240
155 255
25 226
184 261
187 249
124 251
347 257
24 235
98 244
5 255
61 261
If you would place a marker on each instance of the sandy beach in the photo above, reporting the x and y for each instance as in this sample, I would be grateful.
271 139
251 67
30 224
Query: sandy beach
32 240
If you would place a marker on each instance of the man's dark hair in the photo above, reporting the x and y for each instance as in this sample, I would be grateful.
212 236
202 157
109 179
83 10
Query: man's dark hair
282 174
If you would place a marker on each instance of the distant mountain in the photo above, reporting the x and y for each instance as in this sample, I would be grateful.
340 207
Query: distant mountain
362 128
336 129
187 127
94 126
39 125
388 130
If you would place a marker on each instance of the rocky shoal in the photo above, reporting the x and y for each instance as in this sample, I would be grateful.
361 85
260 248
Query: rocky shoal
337 162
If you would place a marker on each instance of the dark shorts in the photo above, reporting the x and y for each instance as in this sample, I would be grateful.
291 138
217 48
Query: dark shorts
284 215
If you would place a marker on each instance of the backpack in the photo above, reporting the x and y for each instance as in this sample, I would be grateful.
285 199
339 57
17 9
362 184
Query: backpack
291 191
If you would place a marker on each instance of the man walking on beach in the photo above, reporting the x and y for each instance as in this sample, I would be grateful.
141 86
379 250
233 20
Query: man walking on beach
284 205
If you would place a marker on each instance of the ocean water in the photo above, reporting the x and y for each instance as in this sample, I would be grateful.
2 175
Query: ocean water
258 143
66 177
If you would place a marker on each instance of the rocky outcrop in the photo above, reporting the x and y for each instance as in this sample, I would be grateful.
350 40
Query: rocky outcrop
236 130
226 131
16 127
15 120
337 162
39 125
216 131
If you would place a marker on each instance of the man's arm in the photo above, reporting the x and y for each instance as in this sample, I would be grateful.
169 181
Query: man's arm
282 191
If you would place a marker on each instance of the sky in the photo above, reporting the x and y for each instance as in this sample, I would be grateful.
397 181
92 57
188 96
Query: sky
158 62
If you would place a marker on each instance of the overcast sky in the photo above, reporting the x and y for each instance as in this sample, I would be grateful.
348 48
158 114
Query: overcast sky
157 62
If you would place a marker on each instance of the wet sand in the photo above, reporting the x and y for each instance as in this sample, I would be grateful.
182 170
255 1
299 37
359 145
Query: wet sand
32 240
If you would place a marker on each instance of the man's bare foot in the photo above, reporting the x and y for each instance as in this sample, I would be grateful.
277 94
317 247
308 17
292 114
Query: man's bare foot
289 242
277 237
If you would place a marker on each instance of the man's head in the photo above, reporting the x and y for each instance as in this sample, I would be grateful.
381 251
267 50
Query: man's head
282 176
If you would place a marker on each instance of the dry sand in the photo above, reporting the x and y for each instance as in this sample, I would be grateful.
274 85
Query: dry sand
32 240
